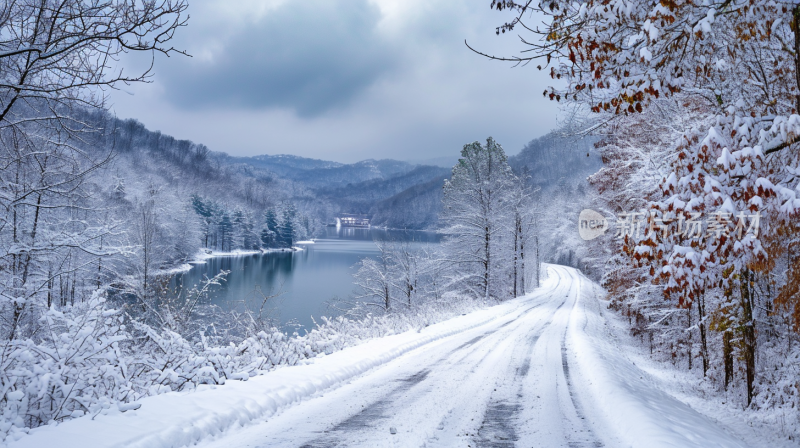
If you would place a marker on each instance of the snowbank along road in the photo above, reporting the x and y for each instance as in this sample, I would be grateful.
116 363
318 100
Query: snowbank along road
539 371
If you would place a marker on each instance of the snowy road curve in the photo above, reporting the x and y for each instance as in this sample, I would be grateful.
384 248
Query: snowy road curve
539 371
512 382
494 385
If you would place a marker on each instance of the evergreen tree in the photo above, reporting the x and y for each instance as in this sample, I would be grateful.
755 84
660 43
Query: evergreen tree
226 232
270 232
287 229
267 238
240 232
205 211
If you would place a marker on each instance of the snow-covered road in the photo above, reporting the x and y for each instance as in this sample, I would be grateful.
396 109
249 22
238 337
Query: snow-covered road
539 371
493 385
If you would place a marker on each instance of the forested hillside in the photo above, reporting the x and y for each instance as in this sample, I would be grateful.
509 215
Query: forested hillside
558 161
321 174
415 208
557 164
697 107
248 186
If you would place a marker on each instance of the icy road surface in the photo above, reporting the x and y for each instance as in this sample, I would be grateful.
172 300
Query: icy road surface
539 371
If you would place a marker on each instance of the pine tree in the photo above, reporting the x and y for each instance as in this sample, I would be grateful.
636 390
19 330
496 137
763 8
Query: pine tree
286 231
269 233
206 215
226 232
239 229
476 209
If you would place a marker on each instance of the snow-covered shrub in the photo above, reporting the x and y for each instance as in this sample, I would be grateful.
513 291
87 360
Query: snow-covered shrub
165 361
92 358
78 367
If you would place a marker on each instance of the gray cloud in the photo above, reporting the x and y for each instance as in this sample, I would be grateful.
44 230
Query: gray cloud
341 80
308 57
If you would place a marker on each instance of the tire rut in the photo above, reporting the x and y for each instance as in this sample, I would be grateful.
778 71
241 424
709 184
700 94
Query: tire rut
375 412
498 428
592 440
371 413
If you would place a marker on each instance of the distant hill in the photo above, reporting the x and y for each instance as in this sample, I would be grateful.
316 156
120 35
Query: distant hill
361 197
552 162
393 193
444 162
415 208
354 173
285 163
316 173
555 162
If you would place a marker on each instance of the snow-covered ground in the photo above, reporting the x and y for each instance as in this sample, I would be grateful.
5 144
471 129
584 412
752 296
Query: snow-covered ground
545 370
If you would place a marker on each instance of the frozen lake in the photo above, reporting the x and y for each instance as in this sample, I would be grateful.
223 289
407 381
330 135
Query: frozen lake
307 279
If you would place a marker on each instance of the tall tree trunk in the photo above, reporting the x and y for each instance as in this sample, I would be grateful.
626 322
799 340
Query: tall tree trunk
796 29
688 335
100 266
34 229
702 324
727 357
516 254
538 261
748 332
486 260
50 286
523 286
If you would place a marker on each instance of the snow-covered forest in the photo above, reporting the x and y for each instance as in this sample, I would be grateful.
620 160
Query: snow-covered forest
695 105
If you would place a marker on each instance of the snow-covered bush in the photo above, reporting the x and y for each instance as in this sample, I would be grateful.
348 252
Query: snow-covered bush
77 367
92 358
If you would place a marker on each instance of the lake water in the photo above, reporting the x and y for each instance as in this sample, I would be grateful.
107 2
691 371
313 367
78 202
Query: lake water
307 279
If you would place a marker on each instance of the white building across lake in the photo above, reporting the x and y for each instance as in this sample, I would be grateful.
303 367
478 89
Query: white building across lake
349 220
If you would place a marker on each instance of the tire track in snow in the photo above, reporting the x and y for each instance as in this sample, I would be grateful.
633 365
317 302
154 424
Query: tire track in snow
368 415
592 440
499 426
378 412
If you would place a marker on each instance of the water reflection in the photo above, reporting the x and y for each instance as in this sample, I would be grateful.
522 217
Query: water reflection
308 279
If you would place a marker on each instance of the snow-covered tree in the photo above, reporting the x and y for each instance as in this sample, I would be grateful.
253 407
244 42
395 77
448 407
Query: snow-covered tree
524 231
288 229
375 279
406 270
475 216
207 211
269 233
730 70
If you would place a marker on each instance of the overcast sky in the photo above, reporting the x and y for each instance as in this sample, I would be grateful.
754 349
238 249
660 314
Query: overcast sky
342 80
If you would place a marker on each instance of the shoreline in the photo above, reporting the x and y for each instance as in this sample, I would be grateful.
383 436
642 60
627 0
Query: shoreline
203 255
